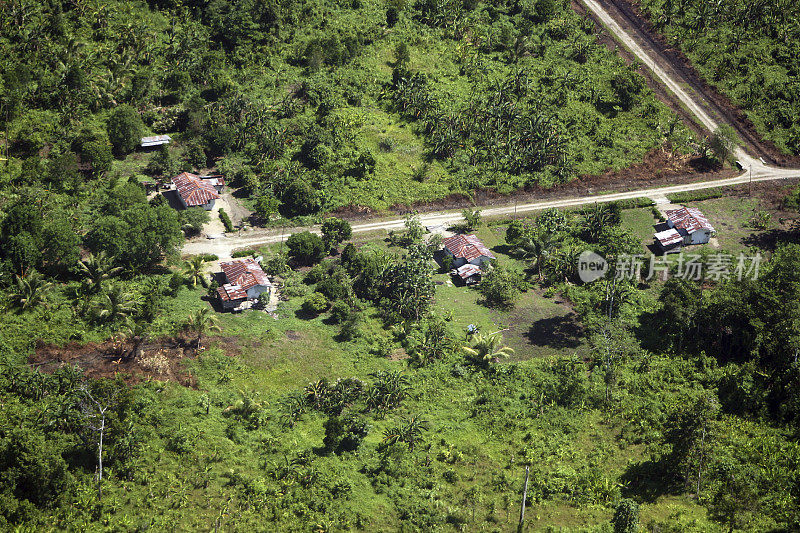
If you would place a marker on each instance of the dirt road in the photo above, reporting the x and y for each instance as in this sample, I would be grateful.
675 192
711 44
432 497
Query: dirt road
754 168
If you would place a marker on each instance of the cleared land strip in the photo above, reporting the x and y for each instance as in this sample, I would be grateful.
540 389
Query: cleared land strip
224 246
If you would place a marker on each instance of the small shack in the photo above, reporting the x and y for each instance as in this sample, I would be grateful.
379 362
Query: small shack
154 141
245 281
470 274
684 227
218 182
466 249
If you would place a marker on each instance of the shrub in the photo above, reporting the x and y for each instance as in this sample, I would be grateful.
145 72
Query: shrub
344 434
315 303
209 257
226 220
695 196
306 247
244 253
340 310
277 266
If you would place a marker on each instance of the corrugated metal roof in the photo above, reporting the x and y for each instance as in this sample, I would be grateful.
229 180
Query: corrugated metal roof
230 292
668 237
156 140
468 270
689 219
193 190
245 273
467 246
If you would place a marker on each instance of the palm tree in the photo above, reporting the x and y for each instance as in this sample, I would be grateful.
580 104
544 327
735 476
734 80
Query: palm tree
535 246
115 304
201 322
193 270
485 349
30 291
408 432
96 269
138 333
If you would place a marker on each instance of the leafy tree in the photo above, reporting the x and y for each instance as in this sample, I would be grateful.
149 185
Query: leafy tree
501 286
406 285
299 198
193 219
267 205
692 433
335 231
201 322
626 517
125 129
401 53
486 349
472 219
306 248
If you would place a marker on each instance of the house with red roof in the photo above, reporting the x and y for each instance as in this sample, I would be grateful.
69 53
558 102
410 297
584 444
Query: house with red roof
685 226
195 192
244 281
465 249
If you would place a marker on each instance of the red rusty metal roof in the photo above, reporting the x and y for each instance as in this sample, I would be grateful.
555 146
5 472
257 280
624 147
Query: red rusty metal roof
245 273
467 246
668 237
230 292
193 190
689 219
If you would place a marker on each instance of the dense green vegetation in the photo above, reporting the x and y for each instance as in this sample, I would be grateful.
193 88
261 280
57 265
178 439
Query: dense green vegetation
748 50
315 105
378 395
375 402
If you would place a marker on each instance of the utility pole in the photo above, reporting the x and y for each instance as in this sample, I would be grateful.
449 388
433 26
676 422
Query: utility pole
524 497
750 184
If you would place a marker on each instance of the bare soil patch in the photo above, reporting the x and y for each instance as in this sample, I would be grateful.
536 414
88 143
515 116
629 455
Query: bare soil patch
161 360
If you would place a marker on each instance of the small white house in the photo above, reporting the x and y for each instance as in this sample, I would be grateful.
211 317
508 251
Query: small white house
466 249
686 226
195 192
245 281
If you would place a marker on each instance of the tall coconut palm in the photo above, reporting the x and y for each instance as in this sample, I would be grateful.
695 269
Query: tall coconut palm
29 292
201 322
96 269
486 349
193 270
115 304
